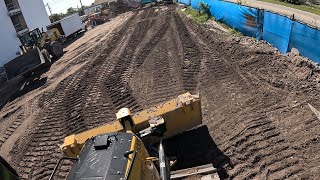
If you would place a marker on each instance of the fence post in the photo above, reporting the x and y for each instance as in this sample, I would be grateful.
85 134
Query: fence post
260 23
292 26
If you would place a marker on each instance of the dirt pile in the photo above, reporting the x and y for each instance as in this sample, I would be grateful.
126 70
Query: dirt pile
257 122
120 6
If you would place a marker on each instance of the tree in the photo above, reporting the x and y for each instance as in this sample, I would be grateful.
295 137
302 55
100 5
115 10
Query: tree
56 17
296 2
71 11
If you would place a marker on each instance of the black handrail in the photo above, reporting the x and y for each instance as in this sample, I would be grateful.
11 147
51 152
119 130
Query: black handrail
57 165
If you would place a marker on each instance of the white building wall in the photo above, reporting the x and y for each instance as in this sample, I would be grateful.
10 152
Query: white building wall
9 43
92 9
35 14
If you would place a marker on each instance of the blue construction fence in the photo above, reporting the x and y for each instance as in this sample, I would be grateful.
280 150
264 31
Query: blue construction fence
146 1
280 31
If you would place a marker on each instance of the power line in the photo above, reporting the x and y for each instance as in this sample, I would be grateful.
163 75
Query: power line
81 5
49 8
55 1
55 5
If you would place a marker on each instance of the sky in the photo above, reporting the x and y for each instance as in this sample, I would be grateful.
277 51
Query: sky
61 6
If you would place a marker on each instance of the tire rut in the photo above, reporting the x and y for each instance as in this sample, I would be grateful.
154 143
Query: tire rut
17 120
257 148
259 139
238 107
142 55
166 86
96 101
192 56
119 91
64 116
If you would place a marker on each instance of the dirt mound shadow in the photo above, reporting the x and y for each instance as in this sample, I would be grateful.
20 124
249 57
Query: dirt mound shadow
196 147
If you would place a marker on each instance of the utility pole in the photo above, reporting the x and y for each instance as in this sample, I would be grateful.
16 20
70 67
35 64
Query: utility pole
81 5
49 8
81 12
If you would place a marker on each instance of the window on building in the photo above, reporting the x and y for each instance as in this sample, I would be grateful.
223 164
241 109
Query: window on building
11 4
18 22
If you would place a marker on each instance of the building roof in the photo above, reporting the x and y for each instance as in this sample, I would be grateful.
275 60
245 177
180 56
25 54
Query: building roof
96 2
92 6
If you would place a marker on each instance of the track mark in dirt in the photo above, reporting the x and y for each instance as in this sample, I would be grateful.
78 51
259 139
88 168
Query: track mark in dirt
42 151
253 149
11 112
255 145
64 114
97 104
260 149
17 122
161 52
91 52
142 55
163 86
192 56
120 93
145 14
157 60
243 109
22 113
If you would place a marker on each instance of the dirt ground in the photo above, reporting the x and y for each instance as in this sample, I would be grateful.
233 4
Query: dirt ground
256 120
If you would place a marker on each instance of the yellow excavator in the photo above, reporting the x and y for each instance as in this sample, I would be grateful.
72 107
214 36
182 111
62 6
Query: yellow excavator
125 148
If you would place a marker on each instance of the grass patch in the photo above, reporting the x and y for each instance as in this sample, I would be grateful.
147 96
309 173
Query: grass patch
315 9
197 16
234 31
202 17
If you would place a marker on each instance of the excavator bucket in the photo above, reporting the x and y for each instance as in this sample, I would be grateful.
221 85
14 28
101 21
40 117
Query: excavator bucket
179 114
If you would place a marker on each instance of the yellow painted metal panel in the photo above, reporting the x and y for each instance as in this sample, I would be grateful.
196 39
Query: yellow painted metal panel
180 114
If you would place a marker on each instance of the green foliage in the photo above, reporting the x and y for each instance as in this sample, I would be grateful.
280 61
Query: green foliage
296 2
198 16
315 9
71 11
234 31
202 17
205 8
56 17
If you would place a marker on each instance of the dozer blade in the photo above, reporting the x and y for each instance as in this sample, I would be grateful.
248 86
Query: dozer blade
180 114
27 62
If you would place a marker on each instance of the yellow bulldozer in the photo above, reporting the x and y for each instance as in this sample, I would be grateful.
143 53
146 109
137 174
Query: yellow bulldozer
37 49
49 41
122 149
55 35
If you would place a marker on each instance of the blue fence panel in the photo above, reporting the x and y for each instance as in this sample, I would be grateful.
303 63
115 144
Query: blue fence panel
241 18
276 30
146 1
186 2
306 40
195 4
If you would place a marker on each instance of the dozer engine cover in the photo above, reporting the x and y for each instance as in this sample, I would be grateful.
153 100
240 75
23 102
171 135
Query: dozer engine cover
113 156
6 171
